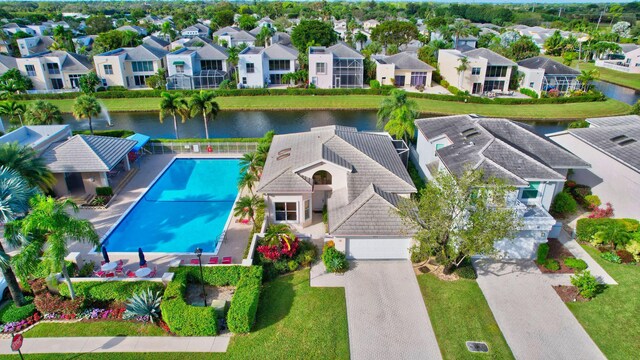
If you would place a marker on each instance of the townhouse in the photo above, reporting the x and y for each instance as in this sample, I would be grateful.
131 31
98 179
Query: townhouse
261 67
203 67
129 67
54 70
403 70
337 66
486 71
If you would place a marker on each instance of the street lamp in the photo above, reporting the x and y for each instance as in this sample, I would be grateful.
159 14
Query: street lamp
204 294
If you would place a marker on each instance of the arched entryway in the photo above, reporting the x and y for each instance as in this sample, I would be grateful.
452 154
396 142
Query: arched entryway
322 181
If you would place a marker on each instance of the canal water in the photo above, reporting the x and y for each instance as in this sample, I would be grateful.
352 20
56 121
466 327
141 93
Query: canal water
617 92
235 124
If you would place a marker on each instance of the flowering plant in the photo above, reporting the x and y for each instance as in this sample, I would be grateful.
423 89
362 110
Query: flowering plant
286 247
20 325
601 212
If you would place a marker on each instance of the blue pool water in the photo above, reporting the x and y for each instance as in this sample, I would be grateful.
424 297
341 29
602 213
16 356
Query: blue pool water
187 207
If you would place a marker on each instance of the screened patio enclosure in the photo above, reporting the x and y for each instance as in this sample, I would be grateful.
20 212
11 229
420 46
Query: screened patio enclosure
205 79
562 83
348 73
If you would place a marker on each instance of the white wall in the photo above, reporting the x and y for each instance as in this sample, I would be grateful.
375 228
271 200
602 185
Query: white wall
255 79
323 81
297 198
532 79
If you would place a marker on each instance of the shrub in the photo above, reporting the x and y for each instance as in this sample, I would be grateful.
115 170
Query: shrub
108 133
576 264
306 254
10 313
145 304
586 283
104 191
587 228
334 260
579 124
563 204
186 320
445 84
592 201
374 84
552 264
466 272
110 290
601 212
48 303
611 257
529 92
633 247
625 256
543 252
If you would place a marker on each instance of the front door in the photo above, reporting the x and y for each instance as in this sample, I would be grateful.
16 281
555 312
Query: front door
74 183
319 200
337 82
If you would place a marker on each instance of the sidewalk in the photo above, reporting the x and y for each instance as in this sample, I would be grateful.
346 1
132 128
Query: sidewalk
119 344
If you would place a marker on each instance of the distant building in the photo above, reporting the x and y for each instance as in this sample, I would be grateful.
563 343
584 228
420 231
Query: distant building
337 66
259 66
54 70
196 29
543 74
34 45
487 71
403 70
129 67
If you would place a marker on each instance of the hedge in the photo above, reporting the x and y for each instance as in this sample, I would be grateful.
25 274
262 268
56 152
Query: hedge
211 140
586 228
321 92
11 313
109 290
187 320
108 133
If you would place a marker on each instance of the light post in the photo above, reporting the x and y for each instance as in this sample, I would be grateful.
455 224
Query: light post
204 294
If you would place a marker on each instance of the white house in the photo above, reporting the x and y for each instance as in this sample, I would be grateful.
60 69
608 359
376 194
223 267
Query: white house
196 29
129 67
260 66
54 70
233 36
34 45
487 71
627 61
612 146
403 70
368 25
337 66
358 176
543 74
506 150
203 67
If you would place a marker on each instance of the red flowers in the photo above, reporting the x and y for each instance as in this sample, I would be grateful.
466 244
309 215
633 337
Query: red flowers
285 248
600 212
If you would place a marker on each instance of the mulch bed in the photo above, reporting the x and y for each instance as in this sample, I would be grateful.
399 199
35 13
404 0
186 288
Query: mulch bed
569 293
558 252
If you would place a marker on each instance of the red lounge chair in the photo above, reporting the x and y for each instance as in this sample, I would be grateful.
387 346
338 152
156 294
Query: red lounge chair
143 266
110 275
102 262
226 260
131 274
153 272
213 260
194 262
99 273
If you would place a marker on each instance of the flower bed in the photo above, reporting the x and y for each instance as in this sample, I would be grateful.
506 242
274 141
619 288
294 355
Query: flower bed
187 320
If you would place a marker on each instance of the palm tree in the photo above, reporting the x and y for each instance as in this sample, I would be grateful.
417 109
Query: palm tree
247 206
86 106
394 103
250 162
459 29
361 39
42 112
402 125
203 102
586 77
15 193
25 161
170 104
277 233
234 52
248 181
464 66
51 229
13 111
166 29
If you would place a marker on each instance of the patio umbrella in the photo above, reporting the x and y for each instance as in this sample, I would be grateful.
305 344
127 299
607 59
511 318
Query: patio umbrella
105 255
141 256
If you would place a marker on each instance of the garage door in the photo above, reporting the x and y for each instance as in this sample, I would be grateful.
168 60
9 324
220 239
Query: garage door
378 248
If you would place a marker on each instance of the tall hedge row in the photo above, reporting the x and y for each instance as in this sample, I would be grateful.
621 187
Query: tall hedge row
187 320
110 290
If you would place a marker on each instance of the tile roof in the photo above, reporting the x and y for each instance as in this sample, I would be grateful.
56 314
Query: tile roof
620 142
145 52
75 62
614 120
492 57
550 66
226 30
155 41
278 51
6 63
87 153
342 50
406 61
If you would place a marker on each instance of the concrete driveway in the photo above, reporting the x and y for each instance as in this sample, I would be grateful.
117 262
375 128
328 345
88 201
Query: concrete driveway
533 319
386 312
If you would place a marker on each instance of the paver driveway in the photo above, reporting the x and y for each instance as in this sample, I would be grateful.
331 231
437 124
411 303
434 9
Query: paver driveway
387 315
533 319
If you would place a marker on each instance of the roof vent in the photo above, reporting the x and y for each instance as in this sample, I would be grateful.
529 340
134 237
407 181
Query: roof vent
623 140
626 142
284 151
285 155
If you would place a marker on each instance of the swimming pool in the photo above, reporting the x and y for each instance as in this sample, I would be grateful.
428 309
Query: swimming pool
188 206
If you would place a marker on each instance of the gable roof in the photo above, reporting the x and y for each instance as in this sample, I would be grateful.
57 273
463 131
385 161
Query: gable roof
549 66
75 62
614 120
226 30
278 51
492 57
500 147
155 41
406 61
87 153
6 63
145 52
342 50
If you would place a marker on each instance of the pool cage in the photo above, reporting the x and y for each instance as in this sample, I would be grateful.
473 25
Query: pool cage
206 79
348 73
562 83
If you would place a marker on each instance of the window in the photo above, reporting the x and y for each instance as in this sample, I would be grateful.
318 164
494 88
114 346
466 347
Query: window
307 209
532 191
439 146
493 84
53 68
286 211
142 66
31 70
275 79
74 79
531 84
244 81
279 65
108 69
179 69
211 65
418 78
140 80
477 88
321 68
399 80
57 83
322 177
250 68
475 71
496 71
104 82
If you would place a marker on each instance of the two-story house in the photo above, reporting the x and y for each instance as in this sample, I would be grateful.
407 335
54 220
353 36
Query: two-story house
403 70
337 66
129 67
259 66
54 70
358 177
196 29
486 71
507 150
541 73
202 67
34 45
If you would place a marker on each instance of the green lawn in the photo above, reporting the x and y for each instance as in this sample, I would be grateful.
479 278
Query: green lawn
293 321
611 318
460 313
608 75
94 328
371 102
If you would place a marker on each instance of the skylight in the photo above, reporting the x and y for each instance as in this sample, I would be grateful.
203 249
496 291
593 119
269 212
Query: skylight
623 140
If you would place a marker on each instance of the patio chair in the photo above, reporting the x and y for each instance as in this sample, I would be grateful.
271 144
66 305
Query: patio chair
131 274
99 273
111 275
194 262
227 260
153 272
213 260
143 266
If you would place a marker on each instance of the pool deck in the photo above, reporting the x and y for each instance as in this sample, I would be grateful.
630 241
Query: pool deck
234 244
